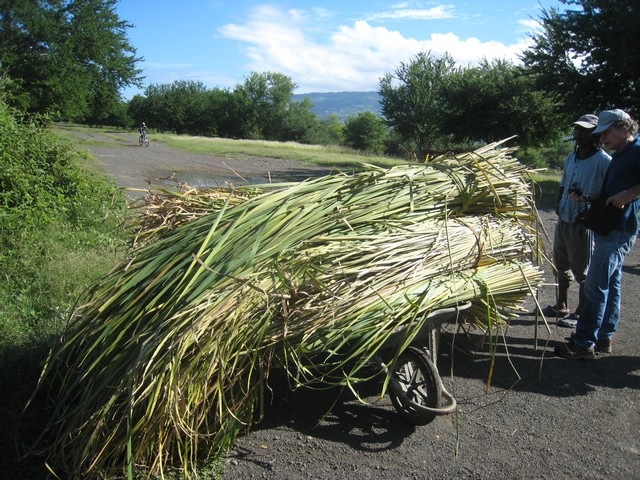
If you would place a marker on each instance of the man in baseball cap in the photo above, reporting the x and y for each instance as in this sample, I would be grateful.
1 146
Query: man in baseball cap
600 310
607 118
588 121
582 175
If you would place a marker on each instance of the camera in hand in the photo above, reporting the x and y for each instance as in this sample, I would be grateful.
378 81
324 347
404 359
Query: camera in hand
575 188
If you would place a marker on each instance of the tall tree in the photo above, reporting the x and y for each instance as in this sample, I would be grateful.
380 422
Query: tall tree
179 106
412 100
365 131
265 109
496 100
589 55
72 57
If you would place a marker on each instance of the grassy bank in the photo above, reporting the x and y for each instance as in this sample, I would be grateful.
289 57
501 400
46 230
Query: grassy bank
60 230
320 155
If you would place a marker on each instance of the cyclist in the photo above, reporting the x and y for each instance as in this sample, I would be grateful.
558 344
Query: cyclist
143 131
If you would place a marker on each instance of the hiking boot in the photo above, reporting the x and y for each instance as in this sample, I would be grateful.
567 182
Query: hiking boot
604 346
552 311
573 351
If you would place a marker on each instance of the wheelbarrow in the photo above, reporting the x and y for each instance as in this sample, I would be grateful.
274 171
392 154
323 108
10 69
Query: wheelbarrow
415 386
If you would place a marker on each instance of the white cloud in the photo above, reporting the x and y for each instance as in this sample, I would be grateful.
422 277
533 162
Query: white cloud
530 25
402 12
347 57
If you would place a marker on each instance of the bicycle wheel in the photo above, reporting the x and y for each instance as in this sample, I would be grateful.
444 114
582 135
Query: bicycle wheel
146 141
414 385
140 140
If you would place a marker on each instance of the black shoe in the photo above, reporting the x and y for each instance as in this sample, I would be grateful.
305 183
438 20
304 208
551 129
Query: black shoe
604 346
552 311
573 351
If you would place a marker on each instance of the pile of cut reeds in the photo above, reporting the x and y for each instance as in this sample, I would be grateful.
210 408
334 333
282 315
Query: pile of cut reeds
164 209
167 359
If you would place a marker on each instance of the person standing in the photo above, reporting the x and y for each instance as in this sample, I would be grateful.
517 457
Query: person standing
583 173
600 310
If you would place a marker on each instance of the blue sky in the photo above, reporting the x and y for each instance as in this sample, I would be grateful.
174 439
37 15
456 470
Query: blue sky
324 46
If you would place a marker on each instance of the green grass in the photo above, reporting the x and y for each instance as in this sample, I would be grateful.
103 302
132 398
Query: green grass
321 155
546 189
60 230
108 137
56 265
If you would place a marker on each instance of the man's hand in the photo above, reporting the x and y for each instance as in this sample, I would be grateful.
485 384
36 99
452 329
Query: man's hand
623 198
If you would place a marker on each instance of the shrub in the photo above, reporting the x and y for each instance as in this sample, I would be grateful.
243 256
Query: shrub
59 227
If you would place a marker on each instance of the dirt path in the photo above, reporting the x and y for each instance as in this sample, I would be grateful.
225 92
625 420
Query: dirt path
542 418
136 168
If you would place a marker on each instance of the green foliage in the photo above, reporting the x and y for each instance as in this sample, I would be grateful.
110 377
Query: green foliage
434 106
334 129
497 100
50 209
261 103
181 107
40 182
588 55
265 110
551 155
260 109
546 186
68 57
412 100
60 230
367 132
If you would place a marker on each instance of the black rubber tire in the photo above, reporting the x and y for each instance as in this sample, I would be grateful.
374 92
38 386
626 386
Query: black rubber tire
417 377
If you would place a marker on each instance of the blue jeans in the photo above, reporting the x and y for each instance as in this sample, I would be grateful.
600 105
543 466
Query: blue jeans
602 289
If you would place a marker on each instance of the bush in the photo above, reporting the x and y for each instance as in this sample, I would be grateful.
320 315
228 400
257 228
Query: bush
59 228
367 132
549 156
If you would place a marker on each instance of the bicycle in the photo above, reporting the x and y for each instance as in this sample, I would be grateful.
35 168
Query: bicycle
143 139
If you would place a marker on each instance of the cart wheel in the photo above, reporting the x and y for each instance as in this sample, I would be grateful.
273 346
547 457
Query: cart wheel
414 384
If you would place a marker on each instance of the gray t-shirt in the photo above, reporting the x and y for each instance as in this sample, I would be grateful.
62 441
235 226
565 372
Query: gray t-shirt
586 174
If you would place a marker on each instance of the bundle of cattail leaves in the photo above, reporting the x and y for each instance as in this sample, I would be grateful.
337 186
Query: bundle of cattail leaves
166 361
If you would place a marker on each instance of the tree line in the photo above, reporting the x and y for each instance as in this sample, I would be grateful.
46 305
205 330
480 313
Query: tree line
71 58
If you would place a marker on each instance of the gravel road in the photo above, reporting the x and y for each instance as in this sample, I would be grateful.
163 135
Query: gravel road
541 417
136 168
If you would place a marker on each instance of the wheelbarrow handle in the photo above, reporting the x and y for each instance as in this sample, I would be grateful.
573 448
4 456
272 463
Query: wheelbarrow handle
432 321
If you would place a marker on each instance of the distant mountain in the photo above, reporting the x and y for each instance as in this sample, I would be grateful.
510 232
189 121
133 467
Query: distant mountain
342 104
